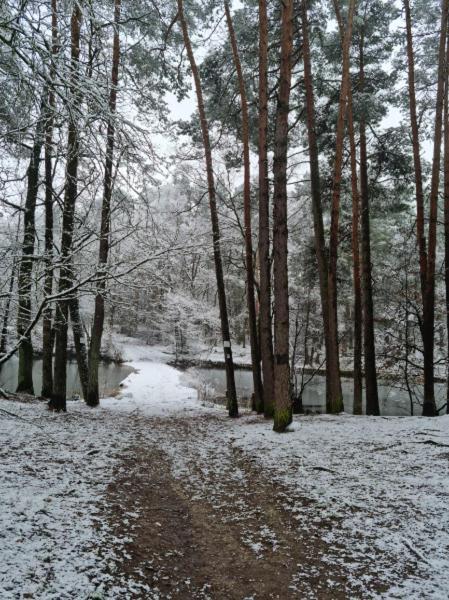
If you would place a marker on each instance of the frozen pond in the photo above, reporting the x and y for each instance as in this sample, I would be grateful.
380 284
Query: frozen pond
393 401
110 375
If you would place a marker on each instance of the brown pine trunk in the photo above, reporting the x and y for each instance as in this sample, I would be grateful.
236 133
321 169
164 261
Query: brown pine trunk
372 398
358 377
282 399
355 242
335 400
446 217
221 292
92 396
428 326
416 152
252 317
58 399
320 245
47 333
266 335
25 374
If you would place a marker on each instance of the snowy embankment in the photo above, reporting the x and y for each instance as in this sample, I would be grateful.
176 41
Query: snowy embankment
382 483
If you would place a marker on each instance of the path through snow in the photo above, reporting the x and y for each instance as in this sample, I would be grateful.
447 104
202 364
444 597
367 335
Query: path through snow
353 507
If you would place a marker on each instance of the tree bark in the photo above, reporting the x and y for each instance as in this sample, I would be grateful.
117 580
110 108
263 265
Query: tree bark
416 152
282 399
355 244
92 396
320 245
266 334
58 399
428 326
47 333
446 216
25 373
372 398
4 334
335 400
358 376
252 317
80 344
221 292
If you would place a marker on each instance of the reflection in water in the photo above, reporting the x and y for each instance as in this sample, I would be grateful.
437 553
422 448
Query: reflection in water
110 375
393 401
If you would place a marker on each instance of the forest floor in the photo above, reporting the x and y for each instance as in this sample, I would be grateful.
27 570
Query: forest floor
157 496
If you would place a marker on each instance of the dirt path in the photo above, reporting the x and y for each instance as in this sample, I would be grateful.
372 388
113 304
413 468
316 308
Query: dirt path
205 532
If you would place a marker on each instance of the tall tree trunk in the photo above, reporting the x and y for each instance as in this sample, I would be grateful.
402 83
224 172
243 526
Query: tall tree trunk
266 335
25 374
335 400
92 396
446 216
358 377
80 345
372 398
58 399
282 399
355 242
320 245
252 317
4 333
416 152
47 333
221 292
428 326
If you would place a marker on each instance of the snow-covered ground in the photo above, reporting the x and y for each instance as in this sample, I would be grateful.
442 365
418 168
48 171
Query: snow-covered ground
382 483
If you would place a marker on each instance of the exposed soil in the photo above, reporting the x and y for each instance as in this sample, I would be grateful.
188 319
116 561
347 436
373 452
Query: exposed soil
183 546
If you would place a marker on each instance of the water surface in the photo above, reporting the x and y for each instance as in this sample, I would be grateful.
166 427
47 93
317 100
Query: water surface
393 400
110 375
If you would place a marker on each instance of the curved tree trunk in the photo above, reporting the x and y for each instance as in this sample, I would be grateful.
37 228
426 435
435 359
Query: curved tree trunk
282 399
221 292
252 317
92 396
266 334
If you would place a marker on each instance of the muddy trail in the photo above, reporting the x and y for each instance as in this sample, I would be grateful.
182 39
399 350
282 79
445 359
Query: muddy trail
203 522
